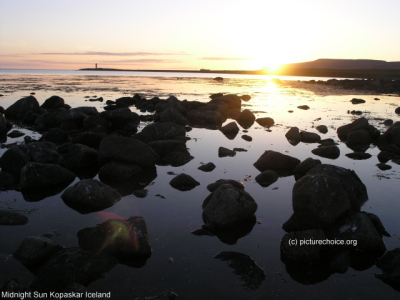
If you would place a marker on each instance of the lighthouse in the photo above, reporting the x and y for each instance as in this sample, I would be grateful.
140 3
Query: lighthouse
96 66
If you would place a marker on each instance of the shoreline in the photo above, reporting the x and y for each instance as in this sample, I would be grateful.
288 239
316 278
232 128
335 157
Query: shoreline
389 74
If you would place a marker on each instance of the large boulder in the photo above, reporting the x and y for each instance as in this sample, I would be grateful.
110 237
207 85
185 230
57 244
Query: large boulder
43 152
119 237
21 107
90 195
55 136
317 200
359 137
172 115
38 175
350 182
118 171
126 150
272 160
227 206
120 117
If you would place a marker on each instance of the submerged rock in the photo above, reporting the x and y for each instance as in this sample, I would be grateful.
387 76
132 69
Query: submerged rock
250 274
223 152
265 122
10 217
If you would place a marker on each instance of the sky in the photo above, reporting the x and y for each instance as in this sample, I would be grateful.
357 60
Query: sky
192 34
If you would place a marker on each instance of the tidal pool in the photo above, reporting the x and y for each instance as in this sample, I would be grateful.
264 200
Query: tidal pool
186 263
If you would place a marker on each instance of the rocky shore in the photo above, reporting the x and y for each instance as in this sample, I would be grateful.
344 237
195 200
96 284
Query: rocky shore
108 155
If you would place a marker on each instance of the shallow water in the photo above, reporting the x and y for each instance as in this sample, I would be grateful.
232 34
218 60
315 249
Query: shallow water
183 262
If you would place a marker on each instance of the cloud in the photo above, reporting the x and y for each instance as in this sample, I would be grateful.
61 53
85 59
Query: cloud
226 58
93 53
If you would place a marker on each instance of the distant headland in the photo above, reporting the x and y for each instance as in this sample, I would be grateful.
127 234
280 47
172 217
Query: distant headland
341 68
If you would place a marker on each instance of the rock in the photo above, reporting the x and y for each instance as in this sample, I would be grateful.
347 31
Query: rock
245 98
359 228
7 180
267 178
90 195
117 171
173 115
327 142
305 166
230 100
208 167
359 155
247 138
5 126
119 237
388 122
293 135
390 265
271 160
90 139
55 136
205 118
223 152
358 124
391 136
53 102
15 133
359 137
319 199
309 137
302 246
350 182
377 223
332 152
322 129
120 117
265 122
357 101
162 131
9 217
14 159
177 158
303 107
397 110
230 130
81 157
250 274
43 152
383 166
22 107
35 250
38 175
71 265
246 119
236 184
340 262
184 182
97 123
126 150
227 206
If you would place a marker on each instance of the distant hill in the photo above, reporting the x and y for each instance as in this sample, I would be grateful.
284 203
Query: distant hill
345 64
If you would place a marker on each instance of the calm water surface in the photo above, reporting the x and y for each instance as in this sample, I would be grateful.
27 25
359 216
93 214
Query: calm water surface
186 263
